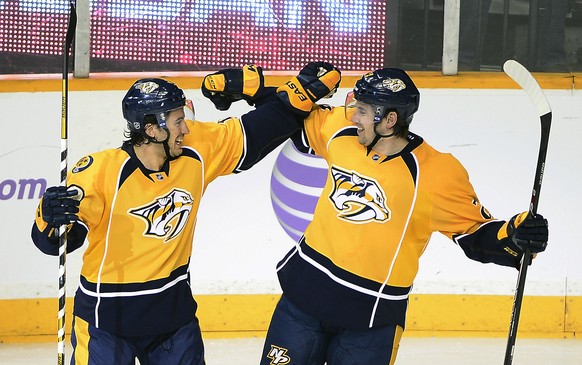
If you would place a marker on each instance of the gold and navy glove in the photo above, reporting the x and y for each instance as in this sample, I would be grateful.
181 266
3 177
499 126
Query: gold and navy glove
60 205
527 232
232 84
315 81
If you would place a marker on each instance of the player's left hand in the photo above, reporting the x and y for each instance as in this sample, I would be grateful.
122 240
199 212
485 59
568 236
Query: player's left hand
232 84
528 232
320 79
315 81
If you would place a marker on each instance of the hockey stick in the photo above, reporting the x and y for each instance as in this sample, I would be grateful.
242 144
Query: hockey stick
521 76
64 167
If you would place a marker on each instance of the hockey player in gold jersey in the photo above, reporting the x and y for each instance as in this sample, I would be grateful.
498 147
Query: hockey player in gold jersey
346 282
137 205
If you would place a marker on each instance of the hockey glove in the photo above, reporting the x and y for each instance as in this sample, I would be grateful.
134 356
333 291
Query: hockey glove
528 232
315 81
233 84
60 205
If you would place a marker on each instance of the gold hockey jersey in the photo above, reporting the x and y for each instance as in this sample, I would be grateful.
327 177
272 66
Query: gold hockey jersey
140 230
356 263
139 224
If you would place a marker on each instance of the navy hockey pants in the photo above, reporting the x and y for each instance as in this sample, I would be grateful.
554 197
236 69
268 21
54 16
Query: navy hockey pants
297 338
94 346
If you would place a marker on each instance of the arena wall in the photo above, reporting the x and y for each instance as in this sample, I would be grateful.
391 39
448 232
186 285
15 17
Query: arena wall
484 119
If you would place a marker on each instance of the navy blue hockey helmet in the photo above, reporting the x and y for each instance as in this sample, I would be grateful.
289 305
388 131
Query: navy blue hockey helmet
388 88
151 96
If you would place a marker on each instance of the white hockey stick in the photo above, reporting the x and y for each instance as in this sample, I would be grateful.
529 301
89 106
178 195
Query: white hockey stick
523 77
64 151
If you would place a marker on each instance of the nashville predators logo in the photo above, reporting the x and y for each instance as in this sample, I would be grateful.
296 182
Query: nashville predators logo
147 87
166 216
394 85
358 199
278 356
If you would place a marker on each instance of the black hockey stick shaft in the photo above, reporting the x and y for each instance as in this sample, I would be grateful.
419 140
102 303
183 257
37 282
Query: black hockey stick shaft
64 167
520 75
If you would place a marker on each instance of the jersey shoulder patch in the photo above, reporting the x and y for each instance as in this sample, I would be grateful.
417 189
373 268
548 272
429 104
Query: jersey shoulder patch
83 164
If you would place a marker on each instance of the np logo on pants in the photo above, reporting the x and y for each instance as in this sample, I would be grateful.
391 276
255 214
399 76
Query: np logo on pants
278 356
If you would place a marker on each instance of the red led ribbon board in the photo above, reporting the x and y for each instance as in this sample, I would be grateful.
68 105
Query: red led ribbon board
277 34
35 27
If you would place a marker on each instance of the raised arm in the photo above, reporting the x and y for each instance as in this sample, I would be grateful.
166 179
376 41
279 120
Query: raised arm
279 111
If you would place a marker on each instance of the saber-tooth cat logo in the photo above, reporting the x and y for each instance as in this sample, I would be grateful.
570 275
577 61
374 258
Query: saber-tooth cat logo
359 199
166 216
278 356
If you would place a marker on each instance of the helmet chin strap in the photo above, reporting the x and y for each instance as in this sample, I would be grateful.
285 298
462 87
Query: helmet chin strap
164 143
378 117
379 136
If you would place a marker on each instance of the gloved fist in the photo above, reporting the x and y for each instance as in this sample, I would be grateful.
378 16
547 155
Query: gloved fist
232 84
320 79
528 232
60 205
315 81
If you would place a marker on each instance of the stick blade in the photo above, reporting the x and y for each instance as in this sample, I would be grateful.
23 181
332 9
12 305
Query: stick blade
524 78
